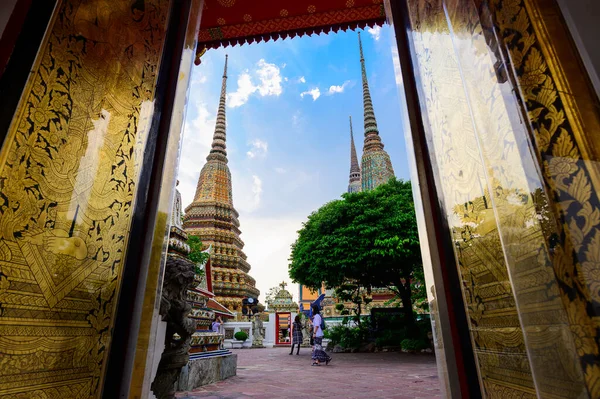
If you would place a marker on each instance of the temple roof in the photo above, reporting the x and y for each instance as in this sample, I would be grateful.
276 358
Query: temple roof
283 302
231 22
216 307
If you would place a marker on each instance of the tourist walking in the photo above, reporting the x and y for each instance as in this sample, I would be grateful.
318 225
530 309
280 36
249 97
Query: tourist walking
318 355
297 336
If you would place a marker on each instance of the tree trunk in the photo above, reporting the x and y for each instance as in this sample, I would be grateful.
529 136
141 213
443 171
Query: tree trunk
358 306
407 306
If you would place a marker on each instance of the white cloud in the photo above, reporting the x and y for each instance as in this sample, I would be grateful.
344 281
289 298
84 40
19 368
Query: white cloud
256 190
241 95
259 148
301 79
247 190
338 89
315 93
199 80
197 137
297 120
269 265
375 32
270 80
280 170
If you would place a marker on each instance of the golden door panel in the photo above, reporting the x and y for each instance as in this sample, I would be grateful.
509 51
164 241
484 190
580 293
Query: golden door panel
519 204
68 172
493 321
563 120
503 225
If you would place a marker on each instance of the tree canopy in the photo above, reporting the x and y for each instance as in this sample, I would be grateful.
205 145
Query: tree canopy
369 238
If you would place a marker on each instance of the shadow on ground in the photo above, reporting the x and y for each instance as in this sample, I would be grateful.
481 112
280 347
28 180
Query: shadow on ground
273 373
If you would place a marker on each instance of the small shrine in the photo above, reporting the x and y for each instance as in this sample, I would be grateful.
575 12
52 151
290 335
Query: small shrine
205 309
282 310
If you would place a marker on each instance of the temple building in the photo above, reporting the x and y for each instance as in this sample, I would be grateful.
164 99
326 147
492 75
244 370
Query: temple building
376 164
212 217
306 296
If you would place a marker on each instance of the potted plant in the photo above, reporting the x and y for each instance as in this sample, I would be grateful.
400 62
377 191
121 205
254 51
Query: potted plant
240 338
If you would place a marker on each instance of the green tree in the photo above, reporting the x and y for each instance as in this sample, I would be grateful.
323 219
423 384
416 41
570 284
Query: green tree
196 255
368 239
271 294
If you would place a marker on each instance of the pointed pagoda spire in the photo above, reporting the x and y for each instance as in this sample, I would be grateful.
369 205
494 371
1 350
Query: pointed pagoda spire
354 183
372 139
213 218
376 164
219 148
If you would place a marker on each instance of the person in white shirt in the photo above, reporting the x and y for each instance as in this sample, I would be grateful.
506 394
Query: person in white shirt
318 355
216 325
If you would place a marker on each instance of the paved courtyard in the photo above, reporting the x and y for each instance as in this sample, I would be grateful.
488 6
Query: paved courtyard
273 373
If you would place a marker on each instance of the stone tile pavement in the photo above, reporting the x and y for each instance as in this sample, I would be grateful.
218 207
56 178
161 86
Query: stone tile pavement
273 373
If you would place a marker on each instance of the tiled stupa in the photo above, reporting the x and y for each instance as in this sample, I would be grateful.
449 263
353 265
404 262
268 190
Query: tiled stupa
375 169
212 217
376 164
354 185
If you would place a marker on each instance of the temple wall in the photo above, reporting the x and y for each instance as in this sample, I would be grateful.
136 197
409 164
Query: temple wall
231 327
69 169
512 124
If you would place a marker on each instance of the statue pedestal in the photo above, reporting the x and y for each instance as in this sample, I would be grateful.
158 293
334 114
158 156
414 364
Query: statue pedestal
235 344
207 370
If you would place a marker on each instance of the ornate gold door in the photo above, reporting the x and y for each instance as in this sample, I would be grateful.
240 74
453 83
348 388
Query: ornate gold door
68 173
512 132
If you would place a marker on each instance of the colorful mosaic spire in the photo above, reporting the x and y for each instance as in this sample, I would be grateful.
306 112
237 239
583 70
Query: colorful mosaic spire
376 164
212 217
354 184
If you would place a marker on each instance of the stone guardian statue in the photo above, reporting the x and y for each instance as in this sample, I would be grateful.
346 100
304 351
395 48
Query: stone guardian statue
257 328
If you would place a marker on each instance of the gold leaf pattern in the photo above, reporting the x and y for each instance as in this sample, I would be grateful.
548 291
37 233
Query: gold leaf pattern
71 164
565 175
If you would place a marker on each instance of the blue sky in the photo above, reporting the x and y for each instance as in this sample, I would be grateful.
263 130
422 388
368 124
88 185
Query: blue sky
288 132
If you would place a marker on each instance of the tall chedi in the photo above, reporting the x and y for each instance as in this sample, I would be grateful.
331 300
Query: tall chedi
212 217
354 184
376 164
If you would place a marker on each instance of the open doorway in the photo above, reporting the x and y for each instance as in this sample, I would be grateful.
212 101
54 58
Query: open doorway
274 131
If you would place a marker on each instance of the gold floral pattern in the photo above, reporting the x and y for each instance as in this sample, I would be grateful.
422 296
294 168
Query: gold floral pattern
507 218
554 121
69 173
